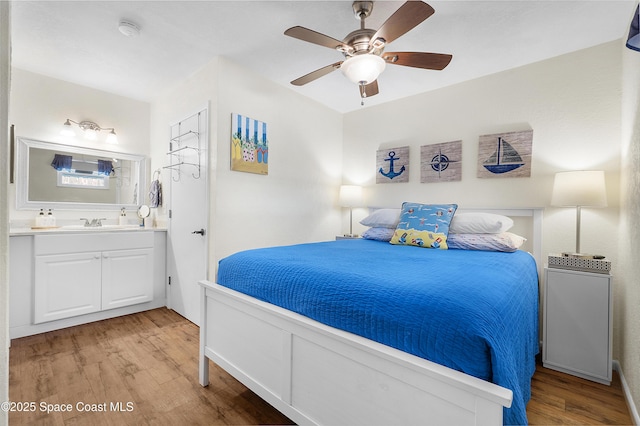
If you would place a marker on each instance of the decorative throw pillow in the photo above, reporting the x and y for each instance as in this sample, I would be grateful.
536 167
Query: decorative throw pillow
424 225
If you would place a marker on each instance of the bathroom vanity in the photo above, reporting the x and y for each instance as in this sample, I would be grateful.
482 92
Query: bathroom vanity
78 273
60 278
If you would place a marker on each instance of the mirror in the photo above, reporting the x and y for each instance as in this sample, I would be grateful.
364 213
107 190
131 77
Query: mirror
65 177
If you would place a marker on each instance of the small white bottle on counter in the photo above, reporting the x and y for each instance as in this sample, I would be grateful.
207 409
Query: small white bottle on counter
40 219
51 220
122 219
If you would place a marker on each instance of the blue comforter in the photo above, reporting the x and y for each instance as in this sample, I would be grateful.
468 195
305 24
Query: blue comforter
473 311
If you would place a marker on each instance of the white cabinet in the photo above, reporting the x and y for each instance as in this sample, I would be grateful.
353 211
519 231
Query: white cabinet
127 277
577 323
82 273
62 279
67 285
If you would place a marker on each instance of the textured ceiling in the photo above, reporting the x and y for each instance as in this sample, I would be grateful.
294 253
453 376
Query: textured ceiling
78 41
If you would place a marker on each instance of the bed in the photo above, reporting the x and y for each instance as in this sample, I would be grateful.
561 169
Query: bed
378 344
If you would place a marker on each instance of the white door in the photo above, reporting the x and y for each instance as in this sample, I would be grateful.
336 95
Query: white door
189 214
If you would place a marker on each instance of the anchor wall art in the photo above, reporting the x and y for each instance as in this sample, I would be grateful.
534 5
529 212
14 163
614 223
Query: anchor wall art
441 162
505 155
392 165
249 145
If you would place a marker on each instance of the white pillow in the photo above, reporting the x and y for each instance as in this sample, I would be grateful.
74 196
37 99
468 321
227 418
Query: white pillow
378 234
382 218
504 241
479 223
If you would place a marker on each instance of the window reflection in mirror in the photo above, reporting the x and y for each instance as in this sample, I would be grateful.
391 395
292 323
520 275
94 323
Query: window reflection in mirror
68 177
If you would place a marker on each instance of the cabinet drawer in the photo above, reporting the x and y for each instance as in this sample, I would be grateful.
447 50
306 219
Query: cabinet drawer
91 241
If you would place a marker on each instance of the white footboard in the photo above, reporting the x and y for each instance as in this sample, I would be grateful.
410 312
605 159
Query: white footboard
316 374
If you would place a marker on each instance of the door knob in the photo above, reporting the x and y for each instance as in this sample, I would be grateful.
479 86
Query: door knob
201 232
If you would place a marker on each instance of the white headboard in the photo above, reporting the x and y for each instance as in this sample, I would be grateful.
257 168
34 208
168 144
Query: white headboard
533 231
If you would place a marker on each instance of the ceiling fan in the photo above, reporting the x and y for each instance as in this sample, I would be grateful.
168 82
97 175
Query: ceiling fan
363 48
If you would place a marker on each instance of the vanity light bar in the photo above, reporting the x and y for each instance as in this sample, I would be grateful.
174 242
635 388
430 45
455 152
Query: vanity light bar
90 130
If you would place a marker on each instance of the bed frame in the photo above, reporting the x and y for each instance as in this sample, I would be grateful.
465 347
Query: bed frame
316 374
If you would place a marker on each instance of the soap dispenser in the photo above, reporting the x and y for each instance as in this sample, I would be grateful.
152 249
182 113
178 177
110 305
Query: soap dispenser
51 219
122 219
40 219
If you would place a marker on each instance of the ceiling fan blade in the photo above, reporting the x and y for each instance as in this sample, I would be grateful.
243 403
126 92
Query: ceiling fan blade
430 61
407 17
314 75
305 34
369 90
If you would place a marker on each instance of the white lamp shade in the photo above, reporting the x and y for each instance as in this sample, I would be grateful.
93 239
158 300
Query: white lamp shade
363 69
67 130
112 138
350 196
90 134
579 188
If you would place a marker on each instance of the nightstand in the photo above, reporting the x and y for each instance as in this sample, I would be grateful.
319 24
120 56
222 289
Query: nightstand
577 323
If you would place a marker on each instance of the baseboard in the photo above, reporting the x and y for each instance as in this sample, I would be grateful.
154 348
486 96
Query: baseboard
633 410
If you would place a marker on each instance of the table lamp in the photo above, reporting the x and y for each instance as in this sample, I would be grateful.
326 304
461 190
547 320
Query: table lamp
579 189
350 196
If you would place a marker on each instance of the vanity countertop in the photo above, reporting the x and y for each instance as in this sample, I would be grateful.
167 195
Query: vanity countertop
25 230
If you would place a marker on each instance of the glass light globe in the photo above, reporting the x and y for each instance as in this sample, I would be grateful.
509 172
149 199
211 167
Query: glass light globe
363 69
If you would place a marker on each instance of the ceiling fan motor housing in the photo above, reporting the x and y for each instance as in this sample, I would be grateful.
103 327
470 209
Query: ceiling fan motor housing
359 41
362 9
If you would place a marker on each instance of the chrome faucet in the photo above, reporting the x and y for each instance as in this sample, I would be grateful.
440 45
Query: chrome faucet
94 222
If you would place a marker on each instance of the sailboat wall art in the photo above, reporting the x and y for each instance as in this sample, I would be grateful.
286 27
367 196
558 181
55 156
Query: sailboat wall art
505 155
249 145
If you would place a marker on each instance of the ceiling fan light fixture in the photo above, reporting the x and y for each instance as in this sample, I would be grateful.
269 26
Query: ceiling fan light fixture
363 69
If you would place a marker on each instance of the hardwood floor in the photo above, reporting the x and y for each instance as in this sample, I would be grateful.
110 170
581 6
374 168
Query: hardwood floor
143 369
562 399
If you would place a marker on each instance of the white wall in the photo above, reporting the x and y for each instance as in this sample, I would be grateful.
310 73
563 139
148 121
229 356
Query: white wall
296 201
571 102
5 72
627 283
40 104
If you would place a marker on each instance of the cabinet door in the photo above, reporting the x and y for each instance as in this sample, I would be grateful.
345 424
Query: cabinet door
578 324
127 277
66 285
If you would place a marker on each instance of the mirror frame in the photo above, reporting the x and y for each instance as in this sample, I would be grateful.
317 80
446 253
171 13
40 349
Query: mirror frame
22 184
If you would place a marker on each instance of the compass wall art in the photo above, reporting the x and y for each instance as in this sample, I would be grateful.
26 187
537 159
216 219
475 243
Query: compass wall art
392 165
441 162
505 155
